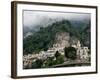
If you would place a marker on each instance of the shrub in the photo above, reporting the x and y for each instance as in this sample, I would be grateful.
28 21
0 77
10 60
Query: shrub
70 52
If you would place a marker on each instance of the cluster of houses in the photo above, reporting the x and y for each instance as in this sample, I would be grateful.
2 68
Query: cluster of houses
62 41
82 52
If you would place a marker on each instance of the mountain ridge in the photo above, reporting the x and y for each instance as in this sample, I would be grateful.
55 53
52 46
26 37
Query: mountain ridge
45 36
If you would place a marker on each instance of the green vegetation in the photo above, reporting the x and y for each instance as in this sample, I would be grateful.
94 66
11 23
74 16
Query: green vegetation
44 38
57 54
49 62
37 64
70 53
60 59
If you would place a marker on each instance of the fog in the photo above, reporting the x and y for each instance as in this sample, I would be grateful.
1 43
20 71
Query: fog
35 18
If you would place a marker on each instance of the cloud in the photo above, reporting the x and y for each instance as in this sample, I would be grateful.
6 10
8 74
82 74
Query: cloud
34 18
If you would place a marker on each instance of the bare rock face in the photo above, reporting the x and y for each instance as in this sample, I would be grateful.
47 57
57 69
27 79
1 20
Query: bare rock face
62 39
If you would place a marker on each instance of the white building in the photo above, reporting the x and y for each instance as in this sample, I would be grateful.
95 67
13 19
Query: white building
82 52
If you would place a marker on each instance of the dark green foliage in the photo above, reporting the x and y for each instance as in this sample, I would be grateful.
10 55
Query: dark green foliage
60 59
86 35
49 62
44 38
37 64
70 52
34 65
57 54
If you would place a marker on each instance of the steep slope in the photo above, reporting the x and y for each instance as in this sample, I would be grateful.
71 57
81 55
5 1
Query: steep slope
45 37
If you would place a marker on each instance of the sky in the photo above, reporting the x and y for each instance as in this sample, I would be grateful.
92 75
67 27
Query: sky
35 18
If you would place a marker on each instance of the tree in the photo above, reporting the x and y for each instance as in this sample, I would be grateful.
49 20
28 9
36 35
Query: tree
48 62
60 59
37 64
70 52
57 54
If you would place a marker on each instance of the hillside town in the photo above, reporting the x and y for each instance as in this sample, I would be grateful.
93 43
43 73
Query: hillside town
62 40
